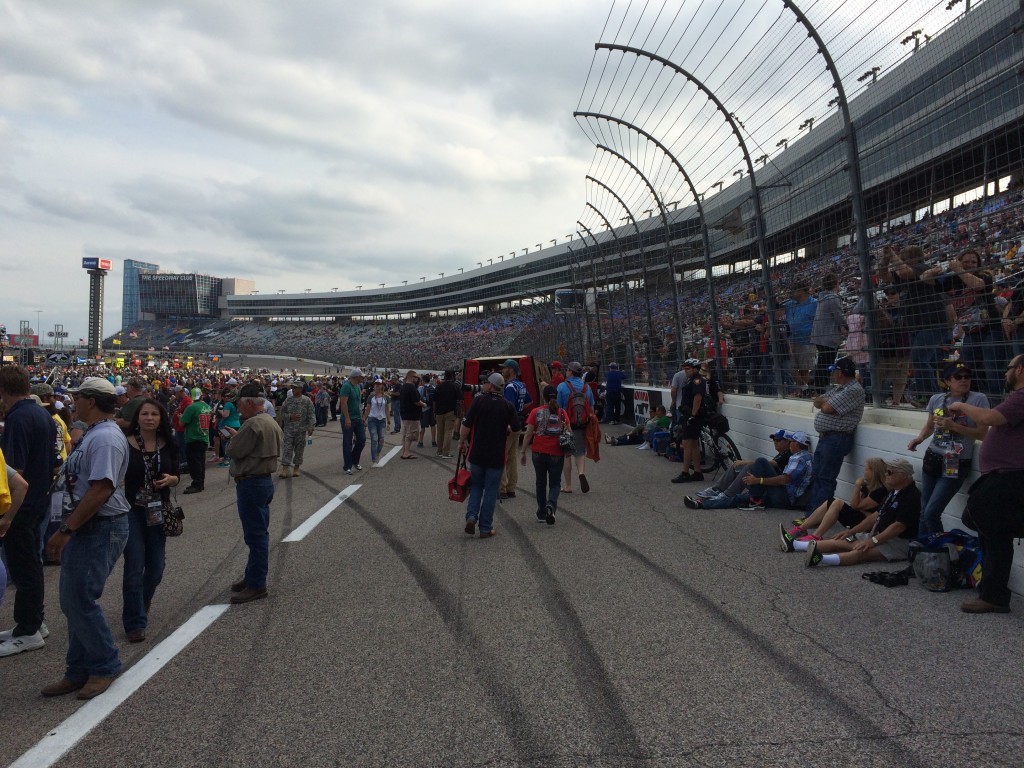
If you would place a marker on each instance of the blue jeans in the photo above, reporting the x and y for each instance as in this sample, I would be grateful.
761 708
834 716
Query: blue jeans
253 497
353 439
144 558
86 562
483 495
936 493
827 461
397 416
377 427
774 496
549 478
924 356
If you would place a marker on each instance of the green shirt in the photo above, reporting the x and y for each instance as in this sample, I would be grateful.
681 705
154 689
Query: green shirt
196 420
355 400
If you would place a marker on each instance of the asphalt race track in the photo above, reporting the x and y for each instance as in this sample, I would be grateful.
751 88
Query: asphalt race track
634 632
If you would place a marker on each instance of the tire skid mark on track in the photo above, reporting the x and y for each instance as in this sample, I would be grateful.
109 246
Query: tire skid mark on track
609 716
797 674
526 737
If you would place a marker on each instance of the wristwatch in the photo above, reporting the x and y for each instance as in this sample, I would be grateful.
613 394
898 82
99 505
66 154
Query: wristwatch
874 540
65 530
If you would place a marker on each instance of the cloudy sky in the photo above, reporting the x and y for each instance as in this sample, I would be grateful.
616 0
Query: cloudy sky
307 144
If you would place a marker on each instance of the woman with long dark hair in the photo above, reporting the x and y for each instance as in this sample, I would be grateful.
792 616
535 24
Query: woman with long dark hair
152 472
544 426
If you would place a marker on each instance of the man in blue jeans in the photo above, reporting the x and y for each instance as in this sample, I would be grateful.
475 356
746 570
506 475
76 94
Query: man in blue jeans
487 424
90 541
839 412
353 429
253 451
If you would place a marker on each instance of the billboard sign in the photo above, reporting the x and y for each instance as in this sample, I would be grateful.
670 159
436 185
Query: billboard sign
91 262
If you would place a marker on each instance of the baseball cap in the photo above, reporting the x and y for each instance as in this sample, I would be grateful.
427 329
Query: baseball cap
42 390
948 371
801 437
355 373
900 465
844 365
778 434
250 390
575 367
555 364
510 363
94 386
119 390
496 380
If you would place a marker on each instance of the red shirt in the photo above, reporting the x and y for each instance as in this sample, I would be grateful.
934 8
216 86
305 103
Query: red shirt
545 438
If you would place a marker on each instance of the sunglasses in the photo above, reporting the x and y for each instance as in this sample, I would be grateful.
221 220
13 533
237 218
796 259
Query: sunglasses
961 376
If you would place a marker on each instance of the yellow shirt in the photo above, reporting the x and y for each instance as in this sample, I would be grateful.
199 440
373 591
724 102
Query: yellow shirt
5 488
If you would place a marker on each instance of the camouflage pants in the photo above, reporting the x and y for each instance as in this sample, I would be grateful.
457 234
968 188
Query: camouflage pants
293 447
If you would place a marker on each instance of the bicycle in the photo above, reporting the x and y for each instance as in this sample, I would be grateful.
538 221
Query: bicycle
717 450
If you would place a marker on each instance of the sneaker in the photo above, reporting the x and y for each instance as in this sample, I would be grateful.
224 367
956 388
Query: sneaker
799 522
359 467
708 493
643 447
983 606
785 539
693 502
549 516
813 556
796 531
447 456
7 634
348 471
542 515
584 485
752 505
21 643
697 476
433 444
419 445
224 464
192 489
809 537
682 477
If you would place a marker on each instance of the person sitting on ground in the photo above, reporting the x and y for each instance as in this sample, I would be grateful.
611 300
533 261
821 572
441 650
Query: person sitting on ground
765 486
731 482
868 494
643 435
883 535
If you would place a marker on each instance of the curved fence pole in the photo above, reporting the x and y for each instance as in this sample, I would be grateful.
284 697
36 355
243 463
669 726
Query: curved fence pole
668 245
643 255
593 268
856 194
705 237
630 346
759 226
588 343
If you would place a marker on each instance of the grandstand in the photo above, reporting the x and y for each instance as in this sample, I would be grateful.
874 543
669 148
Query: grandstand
940 145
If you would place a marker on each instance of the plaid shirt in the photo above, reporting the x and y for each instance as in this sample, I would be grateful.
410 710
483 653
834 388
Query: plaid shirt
848 402
799 470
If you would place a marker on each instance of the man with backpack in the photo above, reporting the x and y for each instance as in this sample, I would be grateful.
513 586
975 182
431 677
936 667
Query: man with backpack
517 394
576 399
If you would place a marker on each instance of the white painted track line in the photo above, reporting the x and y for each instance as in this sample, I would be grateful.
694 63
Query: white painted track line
61 739
388 456
318 517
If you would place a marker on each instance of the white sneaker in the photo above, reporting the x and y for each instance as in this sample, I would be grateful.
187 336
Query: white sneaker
643 447
7 634
23 643
359 467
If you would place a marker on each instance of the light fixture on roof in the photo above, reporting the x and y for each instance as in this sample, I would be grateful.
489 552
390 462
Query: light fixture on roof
784 143
808 124
872 74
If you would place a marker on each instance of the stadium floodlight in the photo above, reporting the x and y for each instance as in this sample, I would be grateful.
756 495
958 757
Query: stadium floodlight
914 37
480 264
871 73
808 124
381 285
512 254
649 211
763 160
555 241
784 143
538 246
718 184
570 236
738 173
423 279
490 261
953 3
334 290
674 204
460 270
501 257
359 287
307 290
405 282
441 274
280 290
834 102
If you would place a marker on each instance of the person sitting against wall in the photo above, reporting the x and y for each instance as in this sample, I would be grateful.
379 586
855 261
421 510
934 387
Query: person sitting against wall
731 483
767 487
868 493
947 460
883 535
643 434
